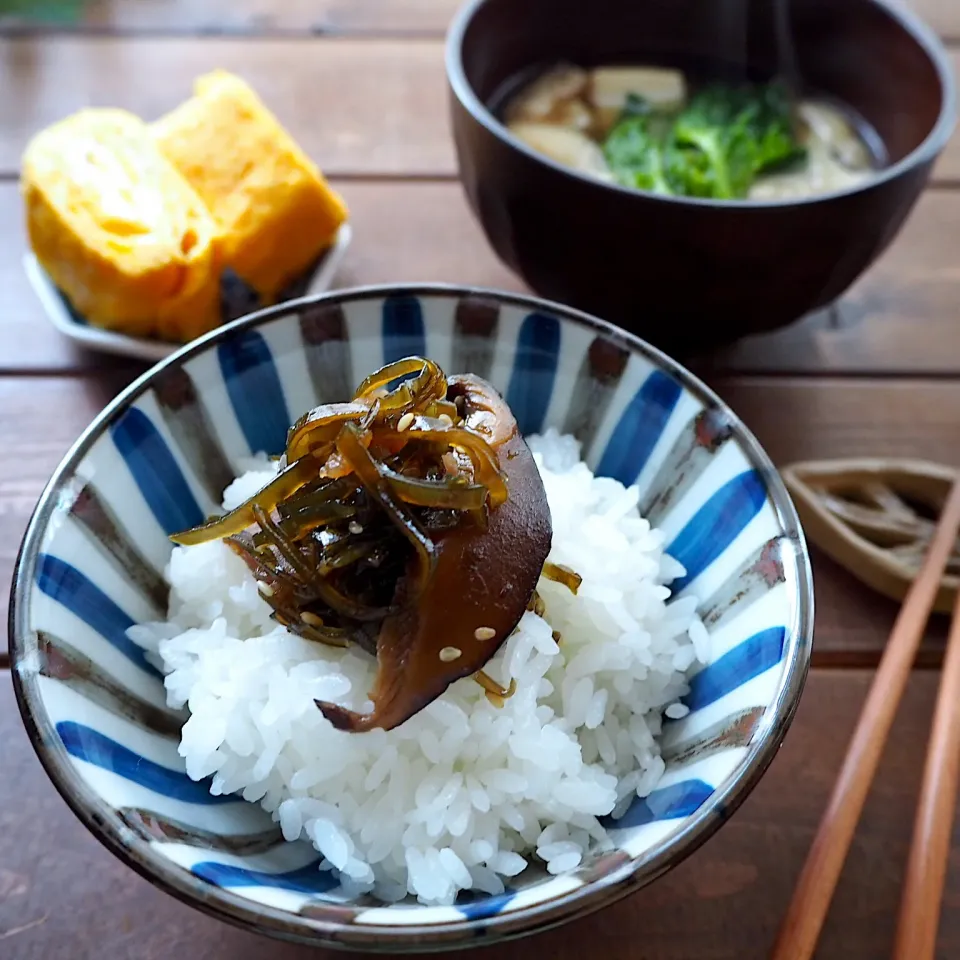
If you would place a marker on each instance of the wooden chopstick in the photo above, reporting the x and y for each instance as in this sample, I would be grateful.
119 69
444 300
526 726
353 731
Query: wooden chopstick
933 827
797 938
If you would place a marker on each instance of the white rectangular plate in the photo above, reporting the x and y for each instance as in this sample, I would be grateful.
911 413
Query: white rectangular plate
72 325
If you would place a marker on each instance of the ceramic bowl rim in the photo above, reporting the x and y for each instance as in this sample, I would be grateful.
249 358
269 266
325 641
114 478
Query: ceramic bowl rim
927 151
135 851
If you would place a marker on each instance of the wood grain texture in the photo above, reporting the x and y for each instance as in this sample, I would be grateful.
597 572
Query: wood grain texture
342 16
902 317
807 912
372 111
793 419
29 341
723 903
357 106
933 824
833 419
265 16
47 416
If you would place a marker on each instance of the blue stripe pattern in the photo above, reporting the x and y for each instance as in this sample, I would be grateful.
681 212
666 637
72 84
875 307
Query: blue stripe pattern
639 428
155 471
743 663
716 525
307 879
255 391
402 329
247 376
534 371
70 588
486 906
87 744
668 803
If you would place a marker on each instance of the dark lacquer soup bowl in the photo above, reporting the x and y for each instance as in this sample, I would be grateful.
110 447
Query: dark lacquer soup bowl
689 274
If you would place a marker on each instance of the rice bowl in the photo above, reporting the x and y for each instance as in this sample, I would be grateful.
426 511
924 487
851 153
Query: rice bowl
159 458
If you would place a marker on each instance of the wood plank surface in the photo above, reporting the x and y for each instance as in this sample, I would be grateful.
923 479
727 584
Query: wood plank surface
823 419
266 16
360 83
64 897
357 106
29 341
902 317
793 419
47 415
340 16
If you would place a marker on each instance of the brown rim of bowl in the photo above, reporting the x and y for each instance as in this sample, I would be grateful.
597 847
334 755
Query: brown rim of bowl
136 852
927 151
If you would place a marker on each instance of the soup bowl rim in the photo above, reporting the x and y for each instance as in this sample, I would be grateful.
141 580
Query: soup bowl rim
925 152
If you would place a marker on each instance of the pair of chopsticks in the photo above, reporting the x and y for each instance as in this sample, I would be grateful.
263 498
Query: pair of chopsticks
923 885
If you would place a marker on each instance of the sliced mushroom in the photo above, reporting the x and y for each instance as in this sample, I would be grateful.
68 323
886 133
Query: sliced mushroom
837 159
548 98
573 114
826 123
821 173
480 586
569 147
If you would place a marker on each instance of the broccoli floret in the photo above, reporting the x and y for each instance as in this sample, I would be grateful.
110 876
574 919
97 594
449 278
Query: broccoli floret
726 136
634 155
770 122
715 147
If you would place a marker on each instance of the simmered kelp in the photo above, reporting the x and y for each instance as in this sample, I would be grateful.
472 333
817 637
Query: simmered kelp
411 521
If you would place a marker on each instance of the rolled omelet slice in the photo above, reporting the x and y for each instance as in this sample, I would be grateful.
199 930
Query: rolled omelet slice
275 210
118 229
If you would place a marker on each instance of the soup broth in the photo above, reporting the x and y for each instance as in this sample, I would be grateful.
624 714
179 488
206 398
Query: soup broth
652 129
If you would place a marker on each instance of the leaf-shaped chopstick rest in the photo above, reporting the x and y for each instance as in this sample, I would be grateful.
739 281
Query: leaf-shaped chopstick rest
875 517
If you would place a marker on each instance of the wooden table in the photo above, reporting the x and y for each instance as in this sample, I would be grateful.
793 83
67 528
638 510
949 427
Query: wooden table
360 83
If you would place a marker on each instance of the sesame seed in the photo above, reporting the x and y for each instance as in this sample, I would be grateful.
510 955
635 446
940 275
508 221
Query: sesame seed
446 418
311 619
265 588
484 633
404 422
449 654
355 527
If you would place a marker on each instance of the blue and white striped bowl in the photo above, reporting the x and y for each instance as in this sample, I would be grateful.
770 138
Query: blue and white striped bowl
156 460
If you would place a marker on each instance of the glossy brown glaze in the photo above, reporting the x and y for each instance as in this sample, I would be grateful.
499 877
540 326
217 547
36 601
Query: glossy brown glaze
481 585
691 274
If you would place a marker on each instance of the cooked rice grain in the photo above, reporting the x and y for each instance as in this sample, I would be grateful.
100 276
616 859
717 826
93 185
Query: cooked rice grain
464 793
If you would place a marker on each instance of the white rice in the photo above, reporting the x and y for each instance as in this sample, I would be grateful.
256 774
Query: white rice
463 794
